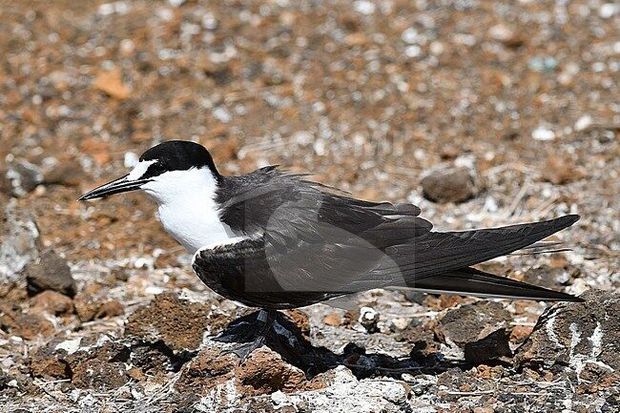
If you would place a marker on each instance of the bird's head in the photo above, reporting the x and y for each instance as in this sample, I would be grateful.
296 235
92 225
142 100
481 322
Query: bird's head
168 170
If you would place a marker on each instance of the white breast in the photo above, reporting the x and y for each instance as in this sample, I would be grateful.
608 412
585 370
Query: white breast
187 208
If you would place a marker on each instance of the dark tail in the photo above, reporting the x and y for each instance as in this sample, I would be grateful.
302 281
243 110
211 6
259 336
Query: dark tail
438 253
439 261
470 281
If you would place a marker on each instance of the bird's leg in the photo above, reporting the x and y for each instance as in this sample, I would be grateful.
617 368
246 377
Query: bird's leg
251 338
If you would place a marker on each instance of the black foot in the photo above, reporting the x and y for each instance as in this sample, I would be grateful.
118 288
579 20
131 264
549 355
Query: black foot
243 350
263 328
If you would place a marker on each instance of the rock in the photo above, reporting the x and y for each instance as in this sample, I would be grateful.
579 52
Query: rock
23 178
488 348
369 318
207 370
86 306
26 325
111 83
180 324
449 184
20 242
67 173
300 319
332 319
559 170
583 336
50 272
100 375
472 322
110 308
49 364
265 372
52 302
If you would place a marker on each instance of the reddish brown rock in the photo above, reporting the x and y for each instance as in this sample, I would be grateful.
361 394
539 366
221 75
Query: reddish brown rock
26 325
180 324
52 302
110 308
86 306
99 375
49 364
208 369
265 372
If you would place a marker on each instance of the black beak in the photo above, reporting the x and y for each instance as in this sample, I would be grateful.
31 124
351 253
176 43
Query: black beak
116 186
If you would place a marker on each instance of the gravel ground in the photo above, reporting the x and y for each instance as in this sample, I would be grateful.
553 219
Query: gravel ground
481 113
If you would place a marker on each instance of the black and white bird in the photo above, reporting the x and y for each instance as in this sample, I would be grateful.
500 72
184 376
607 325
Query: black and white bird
275 240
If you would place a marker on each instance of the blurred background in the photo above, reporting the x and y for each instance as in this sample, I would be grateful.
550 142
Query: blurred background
482 113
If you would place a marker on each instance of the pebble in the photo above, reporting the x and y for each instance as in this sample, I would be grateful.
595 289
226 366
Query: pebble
449 184
543 134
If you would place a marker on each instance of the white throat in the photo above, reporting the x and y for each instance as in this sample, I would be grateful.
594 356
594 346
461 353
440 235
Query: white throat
187 208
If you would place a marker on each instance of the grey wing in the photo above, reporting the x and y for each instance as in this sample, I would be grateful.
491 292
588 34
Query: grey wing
318 241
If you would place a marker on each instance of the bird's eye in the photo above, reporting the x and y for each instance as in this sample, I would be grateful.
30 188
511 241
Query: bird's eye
155 169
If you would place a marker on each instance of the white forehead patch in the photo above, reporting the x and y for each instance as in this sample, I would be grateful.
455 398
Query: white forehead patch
140 169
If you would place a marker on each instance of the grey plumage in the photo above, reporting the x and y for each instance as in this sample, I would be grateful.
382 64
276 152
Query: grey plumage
307 244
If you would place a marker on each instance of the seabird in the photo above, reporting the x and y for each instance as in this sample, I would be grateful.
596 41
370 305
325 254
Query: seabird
276 240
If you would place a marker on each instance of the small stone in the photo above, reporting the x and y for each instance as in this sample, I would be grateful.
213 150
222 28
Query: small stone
542 63
64 173
50 272
543 134
332 319
53 302
453 184
45 363
584 122
87 306
111 83
110 308
23 178
20 242
561 170
364 7
208 369
369 317
410 36
520 333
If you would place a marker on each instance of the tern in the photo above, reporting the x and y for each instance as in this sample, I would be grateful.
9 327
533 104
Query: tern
276 240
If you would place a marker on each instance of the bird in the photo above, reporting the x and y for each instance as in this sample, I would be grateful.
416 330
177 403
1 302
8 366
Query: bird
276 240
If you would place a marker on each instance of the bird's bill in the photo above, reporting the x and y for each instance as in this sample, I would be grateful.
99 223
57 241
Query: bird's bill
117 186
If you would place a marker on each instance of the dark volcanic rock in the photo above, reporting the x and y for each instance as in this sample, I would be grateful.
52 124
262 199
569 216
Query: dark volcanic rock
180 324
491 347
449 185
50 272
472 322
584 336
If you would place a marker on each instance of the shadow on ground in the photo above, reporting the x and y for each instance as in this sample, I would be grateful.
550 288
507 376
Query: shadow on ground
287 339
